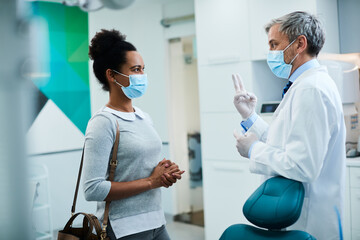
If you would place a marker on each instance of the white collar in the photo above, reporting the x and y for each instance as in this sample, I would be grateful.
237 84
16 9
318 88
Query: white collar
129 116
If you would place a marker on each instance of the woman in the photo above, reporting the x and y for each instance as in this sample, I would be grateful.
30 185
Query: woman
135 211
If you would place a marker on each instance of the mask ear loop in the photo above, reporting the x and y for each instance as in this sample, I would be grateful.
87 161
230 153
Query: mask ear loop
294 58
120 74
118 83
288 47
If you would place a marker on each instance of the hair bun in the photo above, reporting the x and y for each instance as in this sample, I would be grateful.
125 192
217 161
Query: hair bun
104 41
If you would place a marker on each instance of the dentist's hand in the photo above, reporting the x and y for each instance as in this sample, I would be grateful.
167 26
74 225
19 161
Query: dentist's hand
244 102
244 142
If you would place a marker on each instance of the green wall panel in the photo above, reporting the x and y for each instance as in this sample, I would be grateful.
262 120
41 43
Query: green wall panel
68 84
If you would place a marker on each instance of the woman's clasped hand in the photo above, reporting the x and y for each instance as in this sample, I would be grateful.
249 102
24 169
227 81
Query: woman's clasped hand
165 174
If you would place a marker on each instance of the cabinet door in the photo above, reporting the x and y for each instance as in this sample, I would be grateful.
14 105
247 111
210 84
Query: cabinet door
355 177
227 185
261 12
347 212
355 209
221 31
355 235
216 86
217 137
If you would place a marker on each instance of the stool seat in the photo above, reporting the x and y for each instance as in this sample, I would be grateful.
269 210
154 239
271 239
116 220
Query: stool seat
247 232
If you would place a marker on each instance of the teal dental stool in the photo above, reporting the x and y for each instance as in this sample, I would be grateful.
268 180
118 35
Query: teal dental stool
275 205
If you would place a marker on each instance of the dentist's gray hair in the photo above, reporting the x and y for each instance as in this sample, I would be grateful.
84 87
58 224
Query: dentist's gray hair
301 23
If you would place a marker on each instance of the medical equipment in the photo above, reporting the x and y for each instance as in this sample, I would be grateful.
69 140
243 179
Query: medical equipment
346 78
267 110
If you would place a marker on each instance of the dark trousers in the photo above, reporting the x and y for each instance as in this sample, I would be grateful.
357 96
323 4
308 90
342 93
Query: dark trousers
154 234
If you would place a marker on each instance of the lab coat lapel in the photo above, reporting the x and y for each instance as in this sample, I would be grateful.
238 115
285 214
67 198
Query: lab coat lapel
294 86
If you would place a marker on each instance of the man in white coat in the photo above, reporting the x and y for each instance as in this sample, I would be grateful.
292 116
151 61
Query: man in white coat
306 139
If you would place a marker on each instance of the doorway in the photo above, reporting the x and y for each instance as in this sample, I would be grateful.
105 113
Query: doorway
184 132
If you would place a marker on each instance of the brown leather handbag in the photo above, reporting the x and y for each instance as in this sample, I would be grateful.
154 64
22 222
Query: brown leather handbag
90 221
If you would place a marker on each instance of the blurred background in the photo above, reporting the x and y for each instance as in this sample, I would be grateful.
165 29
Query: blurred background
48 93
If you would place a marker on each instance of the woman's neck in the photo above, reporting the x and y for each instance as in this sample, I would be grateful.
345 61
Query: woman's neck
120 103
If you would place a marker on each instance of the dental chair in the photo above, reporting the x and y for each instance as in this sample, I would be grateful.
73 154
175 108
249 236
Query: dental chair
274 206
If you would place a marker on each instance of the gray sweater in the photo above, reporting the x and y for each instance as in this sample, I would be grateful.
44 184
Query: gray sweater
138 153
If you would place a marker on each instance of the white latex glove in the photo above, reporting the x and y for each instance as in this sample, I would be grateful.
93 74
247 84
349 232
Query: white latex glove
244 102
244 142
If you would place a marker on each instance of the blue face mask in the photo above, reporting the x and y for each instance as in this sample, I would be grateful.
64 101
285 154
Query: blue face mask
277 65
137 87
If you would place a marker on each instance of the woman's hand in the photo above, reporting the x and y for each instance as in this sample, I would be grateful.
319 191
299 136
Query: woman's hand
165 174
174 174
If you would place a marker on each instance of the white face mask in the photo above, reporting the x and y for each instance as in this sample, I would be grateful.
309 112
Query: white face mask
277 65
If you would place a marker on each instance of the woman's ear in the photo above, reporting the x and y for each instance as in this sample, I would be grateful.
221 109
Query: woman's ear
109 75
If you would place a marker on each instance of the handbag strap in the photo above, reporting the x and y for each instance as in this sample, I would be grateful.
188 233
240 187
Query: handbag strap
113 164
77 183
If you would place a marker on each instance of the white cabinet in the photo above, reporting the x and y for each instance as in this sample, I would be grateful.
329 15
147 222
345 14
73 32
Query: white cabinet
227 185
347 214
352 200
355 201
355 235
223 33
261 12
349 18
217 88
355 209
217 138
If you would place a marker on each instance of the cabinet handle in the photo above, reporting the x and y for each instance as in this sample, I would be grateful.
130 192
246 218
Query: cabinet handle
228 168
223 59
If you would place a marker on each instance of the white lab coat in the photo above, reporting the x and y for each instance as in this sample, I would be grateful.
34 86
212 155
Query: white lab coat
306 142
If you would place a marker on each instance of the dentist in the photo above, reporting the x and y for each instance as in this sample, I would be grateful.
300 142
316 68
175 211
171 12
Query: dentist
306 139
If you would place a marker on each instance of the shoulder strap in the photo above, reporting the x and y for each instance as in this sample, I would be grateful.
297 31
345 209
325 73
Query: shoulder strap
113 164
77 183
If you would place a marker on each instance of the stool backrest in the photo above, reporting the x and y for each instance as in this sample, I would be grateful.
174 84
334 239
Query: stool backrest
276 204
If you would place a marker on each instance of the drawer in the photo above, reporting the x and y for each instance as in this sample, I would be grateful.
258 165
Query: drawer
227 185
355 177
355 210
355 235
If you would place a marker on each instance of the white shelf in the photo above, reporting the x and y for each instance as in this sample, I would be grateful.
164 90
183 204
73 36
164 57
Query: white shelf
38 207
43 235
353 162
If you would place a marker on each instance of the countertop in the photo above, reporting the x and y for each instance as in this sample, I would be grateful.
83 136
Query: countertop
353 162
